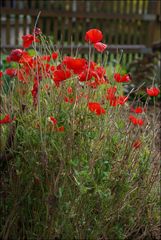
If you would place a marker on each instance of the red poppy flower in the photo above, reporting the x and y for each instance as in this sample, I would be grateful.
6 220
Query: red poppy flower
99 73
85 75
136 121
46 58
111 96
68 100
25 58
99 77
54 55
119 78
113 102
70 90
8 59
137 144
75 64
100 47
1 74
28 40
122 99
111 91
93 36
12 72
61 75
96 108
153 91
20 56
126 78
60 129
92 65
15 55
52 68
22 75
137 110
53 120
7 119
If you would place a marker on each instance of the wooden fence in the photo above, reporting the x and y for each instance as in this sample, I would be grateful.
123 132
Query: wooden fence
131 25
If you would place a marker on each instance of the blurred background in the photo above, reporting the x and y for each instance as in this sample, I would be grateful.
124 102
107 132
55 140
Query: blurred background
129 25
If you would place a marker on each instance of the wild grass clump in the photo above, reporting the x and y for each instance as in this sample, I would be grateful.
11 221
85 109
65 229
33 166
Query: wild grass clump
78 160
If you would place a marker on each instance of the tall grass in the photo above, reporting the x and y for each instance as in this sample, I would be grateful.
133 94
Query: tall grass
86 182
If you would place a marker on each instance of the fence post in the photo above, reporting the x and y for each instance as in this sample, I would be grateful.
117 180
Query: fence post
157 31
154 26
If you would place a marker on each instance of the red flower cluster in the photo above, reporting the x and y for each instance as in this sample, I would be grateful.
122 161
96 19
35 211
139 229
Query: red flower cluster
100 47
136 121
19 56
153 91
37 69
95 36
7 119
77 65
119 78
113 99
60 75
96 108
137 110
28 40
12 72
54 122
1 74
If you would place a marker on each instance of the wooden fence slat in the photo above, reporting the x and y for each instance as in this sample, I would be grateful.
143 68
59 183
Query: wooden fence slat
7 4
131 6
123 24
62 31
48 24
137 7
152 7
55 30
7 29
69 37
33 4
76 33
112 48
148 17
24 24
16 30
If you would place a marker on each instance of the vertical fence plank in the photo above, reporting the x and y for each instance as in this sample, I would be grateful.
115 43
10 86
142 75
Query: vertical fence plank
55 25
7 4
152 8
24 24
47 23
16 30
8 29
69 32
62 31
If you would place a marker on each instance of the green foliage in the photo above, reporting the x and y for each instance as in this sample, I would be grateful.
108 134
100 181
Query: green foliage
144 72
86 182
